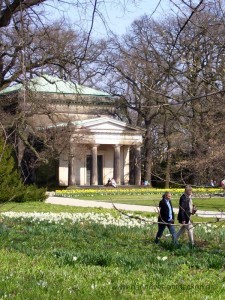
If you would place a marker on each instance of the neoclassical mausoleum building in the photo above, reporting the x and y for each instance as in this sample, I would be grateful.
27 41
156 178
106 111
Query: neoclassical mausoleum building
99 145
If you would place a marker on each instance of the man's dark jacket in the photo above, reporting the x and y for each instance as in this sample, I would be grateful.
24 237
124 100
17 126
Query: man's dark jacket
164 211
184 210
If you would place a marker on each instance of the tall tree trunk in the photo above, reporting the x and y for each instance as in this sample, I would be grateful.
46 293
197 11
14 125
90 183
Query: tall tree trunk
148 156
168 166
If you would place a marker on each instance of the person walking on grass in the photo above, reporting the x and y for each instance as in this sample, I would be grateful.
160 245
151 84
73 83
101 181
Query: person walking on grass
166 218
186 209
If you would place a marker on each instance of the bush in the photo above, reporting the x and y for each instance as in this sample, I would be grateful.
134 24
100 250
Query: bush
33 193
11 185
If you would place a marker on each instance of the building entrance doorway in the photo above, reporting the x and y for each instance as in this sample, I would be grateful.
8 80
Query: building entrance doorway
99 169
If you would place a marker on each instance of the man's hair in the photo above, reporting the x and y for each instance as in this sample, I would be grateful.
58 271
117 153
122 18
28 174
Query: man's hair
166 194
188 187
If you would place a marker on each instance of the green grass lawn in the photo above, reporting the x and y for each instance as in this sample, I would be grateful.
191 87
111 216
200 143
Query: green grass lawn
84 260
153 200
44 207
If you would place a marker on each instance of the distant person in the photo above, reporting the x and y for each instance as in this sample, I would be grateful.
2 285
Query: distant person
166 215
223 183
212 183
113 183
109 183
186 209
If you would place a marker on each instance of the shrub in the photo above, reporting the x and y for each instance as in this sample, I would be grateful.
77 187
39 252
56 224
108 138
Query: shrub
33 193
11 185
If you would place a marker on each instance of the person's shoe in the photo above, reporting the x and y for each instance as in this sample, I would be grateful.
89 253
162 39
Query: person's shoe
156 241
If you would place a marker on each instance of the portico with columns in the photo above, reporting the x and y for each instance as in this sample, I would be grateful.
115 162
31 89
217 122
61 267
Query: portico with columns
103 152
94 146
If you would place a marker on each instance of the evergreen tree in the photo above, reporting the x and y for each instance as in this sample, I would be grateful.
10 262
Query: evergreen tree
11 185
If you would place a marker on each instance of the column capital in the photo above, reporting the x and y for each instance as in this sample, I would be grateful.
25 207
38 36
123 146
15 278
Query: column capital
95 145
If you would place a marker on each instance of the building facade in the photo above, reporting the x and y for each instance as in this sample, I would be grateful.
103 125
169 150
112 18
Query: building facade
98 146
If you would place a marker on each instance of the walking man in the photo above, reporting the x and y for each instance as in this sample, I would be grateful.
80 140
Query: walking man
166 217
186 209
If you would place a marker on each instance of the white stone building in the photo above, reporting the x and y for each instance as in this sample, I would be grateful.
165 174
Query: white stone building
99 144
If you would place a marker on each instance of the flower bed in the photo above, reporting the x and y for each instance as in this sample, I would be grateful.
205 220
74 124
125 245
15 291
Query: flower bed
104 219
132 191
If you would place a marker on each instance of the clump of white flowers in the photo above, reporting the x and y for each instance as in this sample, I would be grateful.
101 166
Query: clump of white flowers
104 219
163 258
207 228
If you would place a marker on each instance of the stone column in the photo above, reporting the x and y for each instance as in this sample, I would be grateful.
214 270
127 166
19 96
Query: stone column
116 173
94 174
137 170
63 170
71 171
126 168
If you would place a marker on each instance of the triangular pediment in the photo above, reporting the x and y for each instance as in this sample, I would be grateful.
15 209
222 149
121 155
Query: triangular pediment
107 124
107 131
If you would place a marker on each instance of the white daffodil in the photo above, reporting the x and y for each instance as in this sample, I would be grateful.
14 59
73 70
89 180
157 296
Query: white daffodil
104 219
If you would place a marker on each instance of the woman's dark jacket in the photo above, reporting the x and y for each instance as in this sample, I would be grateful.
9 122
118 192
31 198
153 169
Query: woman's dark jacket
164 211
184 210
